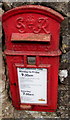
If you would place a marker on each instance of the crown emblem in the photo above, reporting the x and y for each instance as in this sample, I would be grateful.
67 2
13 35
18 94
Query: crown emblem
30 21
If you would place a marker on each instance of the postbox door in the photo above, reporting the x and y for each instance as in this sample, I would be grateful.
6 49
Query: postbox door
32 84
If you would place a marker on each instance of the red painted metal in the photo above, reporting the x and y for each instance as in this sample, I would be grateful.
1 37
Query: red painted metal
33 30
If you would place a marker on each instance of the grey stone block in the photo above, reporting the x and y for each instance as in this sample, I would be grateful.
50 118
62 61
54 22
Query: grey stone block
64 27
66 58
66 39
65 43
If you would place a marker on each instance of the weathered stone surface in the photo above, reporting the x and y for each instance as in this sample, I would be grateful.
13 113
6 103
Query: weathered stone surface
17 4
1 12
66 57
6 6
8 112
62 75
64 27
63 104
69 6
65 43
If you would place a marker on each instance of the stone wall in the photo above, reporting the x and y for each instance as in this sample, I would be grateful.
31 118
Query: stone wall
64 71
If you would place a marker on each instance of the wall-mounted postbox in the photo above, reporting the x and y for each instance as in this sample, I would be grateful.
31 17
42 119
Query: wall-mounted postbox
32 54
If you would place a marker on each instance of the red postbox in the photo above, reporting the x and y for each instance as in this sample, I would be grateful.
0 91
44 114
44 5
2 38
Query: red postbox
32 55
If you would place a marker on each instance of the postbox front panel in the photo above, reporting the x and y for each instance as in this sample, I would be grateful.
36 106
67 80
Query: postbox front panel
32 51
33 84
